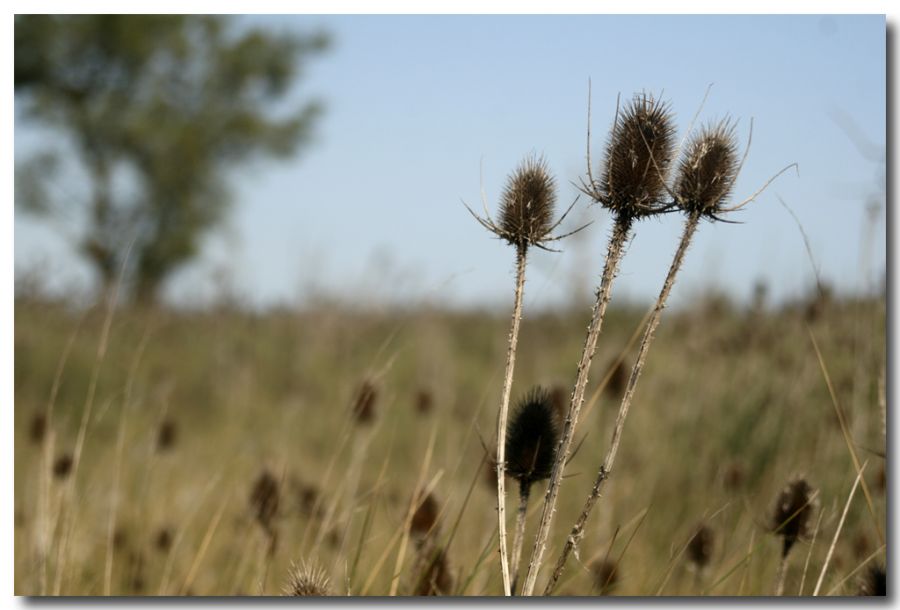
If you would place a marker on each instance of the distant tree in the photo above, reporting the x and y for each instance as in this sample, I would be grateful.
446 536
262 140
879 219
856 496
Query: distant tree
158 109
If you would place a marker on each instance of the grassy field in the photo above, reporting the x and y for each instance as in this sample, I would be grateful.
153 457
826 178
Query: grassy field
206 453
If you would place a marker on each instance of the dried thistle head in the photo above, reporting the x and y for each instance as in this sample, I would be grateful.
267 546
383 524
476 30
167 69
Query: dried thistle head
874 583
306 580
526 208
527 203
793 512
166 435
264 498
638 155
364 403
425 517
38 428
424 401
531 439
700 548
708 169
163 539
606 575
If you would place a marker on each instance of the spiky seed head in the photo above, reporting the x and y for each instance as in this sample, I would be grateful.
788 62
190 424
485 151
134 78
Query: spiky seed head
264 498
425 517
306 580
638 155
531 439
708 169
874 582
527 203
606 575
793 512
700 548
560 399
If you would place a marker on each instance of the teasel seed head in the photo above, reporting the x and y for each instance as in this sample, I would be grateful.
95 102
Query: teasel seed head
793 512
531 439
700 548
264 498
38 428
163 539
708 169
527 203
606 575
166 435
62 466
638 156
424 518
306 580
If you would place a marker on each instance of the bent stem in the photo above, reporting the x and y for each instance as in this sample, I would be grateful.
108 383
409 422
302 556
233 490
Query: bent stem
524 491
615 250
503 415
578 529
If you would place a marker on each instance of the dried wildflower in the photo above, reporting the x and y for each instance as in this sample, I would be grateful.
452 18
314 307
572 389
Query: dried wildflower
38 428
708 170
166 435
62 466
700 548
532 438
793 512
306 580
424 401
264 498
606 576
638 155
364 404
874 582
163 539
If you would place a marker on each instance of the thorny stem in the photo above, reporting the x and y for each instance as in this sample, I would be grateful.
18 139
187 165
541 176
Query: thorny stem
503 416
577 532
621 231
524 491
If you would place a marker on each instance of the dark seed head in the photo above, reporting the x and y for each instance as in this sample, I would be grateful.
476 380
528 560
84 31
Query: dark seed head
700 548
618 378
425 517
708 169
532 438
793 511
559 397
166 435
638 155
38 428
526 206
424 401
62 466
606 576
875 582
163 539
364 404
264 498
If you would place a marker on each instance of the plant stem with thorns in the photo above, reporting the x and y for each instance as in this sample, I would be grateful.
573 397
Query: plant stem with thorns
578 529
616 248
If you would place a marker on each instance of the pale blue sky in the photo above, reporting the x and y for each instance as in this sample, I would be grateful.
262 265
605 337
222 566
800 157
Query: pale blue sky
416 104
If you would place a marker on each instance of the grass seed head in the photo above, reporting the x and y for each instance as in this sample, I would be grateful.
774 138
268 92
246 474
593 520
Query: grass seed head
527 203
531 438
306 580
638 155
793 512
708 169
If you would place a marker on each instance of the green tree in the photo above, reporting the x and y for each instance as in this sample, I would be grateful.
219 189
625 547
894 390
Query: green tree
158 109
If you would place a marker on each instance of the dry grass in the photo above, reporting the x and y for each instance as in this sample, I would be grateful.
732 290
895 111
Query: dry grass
731 404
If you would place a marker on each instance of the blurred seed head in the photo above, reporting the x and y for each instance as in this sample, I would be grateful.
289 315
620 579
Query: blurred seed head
364 403
120 538
38 428
793 512
264 498
559 397
708 169
527 203
424 401
874 583
62 466
306 580
531 438
606 576
163 539
618 379
424 519
166 436
734 476
700 548
435 578
638 156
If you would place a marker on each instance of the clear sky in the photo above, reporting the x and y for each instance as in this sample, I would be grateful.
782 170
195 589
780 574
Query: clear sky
416 105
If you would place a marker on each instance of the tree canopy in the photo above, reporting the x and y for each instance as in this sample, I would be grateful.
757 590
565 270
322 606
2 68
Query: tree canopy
158 109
